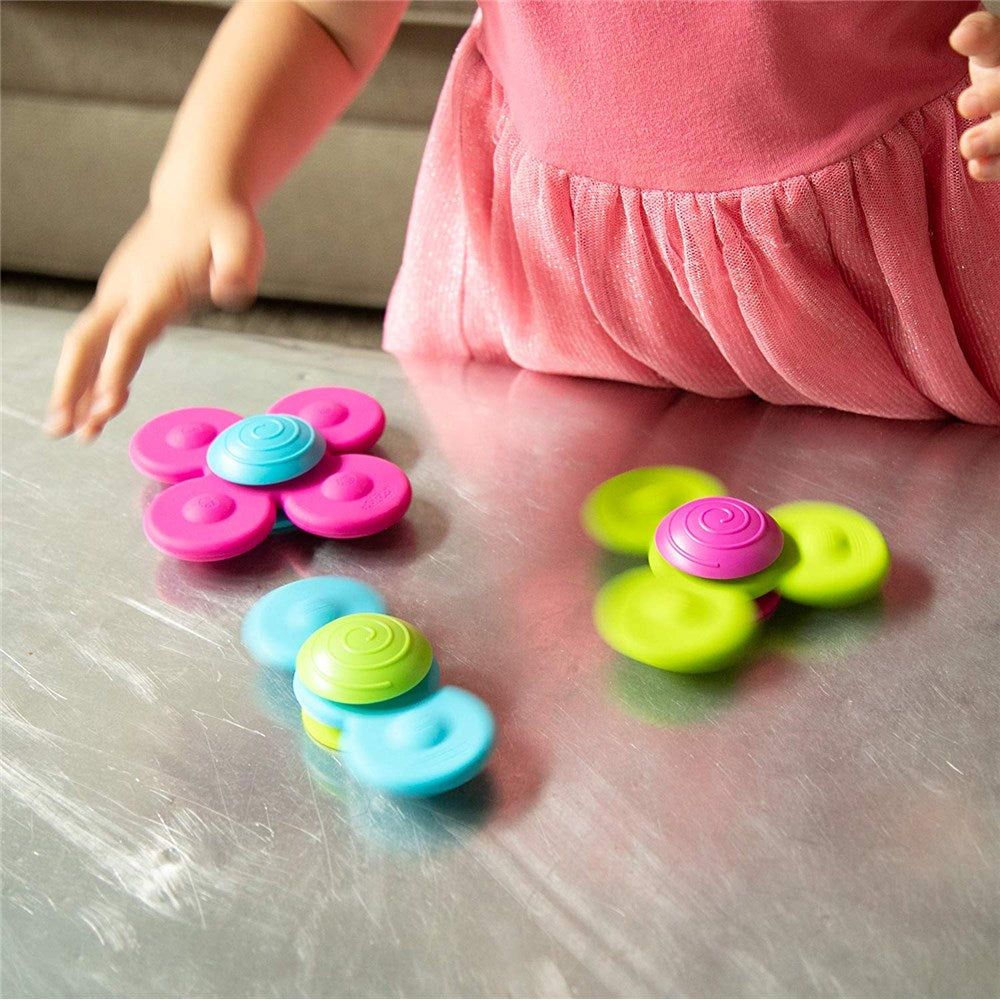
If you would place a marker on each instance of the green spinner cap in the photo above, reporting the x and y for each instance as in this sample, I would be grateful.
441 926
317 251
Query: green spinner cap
364 658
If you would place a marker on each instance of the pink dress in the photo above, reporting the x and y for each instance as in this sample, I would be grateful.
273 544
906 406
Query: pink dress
732 198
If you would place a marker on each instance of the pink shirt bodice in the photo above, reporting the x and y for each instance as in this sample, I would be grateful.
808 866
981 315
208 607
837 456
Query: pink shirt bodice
707 96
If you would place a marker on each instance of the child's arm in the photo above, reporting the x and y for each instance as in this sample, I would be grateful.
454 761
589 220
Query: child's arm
275 76
978 37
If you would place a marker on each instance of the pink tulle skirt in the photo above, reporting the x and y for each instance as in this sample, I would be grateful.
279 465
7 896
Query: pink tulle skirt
870 285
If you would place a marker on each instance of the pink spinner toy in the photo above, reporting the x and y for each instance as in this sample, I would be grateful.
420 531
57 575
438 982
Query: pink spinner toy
231 476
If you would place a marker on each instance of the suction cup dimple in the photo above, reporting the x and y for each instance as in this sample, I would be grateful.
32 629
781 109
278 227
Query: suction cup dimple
672 624
171 447
277 625
843 557
622 513
206 519
429 748
349 496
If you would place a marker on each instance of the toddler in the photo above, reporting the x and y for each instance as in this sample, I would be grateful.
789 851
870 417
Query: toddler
730 197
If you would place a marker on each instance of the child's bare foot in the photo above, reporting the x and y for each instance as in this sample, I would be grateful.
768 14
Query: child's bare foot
978 37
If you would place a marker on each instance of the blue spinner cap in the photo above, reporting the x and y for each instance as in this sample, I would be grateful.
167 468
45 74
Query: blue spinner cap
264 450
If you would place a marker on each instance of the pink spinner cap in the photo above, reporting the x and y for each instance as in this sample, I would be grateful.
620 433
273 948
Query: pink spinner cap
207 519
172 446
719 538
348 419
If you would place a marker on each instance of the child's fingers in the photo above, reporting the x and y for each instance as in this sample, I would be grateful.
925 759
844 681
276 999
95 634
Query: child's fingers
237 245
978 37
131 334
987 169
980 100
78 365
81 410
981 140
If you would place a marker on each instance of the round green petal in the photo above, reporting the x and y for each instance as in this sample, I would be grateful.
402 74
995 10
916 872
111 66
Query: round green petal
672 624
325 736
843 557
622 513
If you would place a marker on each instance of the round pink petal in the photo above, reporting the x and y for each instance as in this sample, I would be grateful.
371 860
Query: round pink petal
348 496
171 447
207 519
348 419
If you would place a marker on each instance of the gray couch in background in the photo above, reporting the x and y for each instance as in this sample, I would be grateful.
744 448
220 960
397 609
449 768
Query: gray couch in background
89 91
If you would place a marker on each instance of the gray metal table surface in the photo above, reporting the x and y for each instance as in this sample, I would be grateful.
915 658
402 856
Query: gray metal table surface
823 821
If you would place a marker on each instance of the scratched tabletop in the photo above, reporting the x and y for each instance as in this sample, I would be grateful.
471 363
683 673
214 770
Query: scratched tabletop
823 821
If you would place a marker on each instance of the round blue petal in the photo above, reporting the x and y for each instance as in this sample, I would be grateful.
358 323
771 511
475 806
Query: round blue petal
430 747
277 625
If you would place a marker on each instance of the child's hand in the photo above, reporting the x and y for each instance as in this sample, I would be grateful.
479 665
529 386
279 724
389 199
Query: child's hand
978 37
172 258
275 77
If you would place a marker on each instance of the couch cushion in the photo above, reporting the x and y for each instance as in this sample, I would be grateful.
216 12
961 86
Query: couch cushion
74 177
455 13
146 53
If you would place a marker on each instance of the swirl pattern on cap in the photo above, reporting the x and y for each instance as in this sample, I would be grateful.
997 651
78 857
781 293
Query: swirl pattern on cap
719 538
363 658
